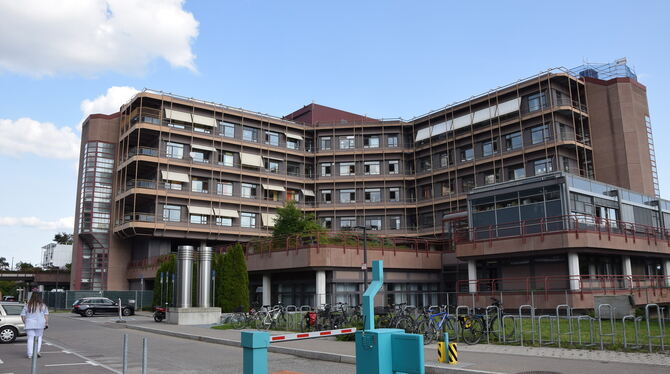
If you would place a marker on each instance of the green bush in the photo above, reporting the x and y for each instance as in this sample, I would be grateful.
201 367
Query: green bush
235 282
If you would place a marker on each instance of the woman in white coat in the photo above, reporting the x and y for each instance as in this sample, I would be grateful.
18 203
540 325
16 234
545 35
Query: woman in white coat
35 316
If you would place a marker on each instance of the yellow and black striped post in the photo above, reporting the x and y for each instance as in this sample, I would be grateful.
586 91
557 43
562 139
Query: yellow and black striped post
441 351
453 354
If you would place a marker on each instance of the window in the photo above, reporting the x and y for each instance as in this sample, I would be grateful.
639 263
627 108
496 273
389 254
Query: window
249 190
224 188
446 189
177 186
227 129
271 138
371 141
373 195
444 159
224 221
467 154
199 185
394 222
250 134
347 196
490 147
513 141
13 310
543 166
539 134
394 167
392 141
174 150
347 222
325 142
372 167
326 196
171 213
490 178
292 143
375 223
394 194
198 219
536 102
424 164
292 195
248 220
199 156
272 166
347 142
516 172
427 191
327 222
226 159
326 169
293 168
347 168
467 183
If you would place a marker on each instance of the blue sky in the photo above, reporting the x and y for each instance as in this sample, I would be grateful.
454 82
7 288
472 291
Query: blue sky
380 58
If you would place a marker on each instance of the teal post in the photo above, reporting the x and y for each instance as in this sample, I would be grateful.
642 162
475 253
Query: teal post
369 295
255 352
446 339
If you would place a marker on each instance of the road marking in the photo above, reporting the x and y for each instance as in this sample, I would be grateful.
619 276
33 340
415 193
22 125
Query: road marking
87 359
70 364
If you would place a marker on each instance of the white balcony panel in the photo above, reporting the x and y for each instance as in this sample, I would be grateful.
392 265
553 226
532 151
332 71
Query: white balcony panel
293 136
308 193
226 213
249 159
273 188
205 211
203 147
174 176
268 219
178 115
203 120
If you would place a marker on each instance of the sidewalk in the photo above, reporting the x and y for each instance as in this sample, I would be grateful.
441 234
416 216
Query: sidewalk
482 358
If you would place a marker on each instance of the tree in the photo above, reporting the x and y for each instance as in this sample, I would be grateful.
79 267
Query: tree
4 265
291 221
167 269
25 266
63 238
68 266
235 281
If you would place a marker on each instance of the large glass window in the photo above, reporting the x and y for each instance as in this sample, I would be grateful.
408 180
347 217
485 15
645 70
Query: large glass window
394 166
171 213
539 134
326 169
444 159
347 196
373 195
347 142
292 143
392 141
224 221
198 219
372 167
174 150
543 166
250 134
537 101
394 222
248 220
199 156
199 185
374 223
272 166
293 168
224 188
327 196
227 129
347 222
326 142
226 159
327 222
467 154
516 172
272 138
490 147
249 190
347 168
173 185
513 141
424 164
394 194
371 141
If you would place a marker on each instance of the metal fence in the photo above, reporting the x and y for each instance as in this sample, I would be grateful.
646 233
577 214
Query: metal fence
64 300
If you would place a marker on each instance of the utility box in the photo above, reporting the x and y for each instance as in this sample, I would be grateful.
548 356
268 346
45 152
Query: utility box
622 304
389 351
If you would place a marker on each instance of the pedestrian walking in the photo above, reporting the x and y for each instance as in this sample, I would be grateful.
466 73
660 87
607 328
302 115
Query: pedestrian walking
35 316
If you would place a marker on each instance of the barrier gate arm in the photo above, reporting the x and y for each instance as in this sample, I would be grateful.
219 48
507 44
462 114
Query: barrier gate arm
371 292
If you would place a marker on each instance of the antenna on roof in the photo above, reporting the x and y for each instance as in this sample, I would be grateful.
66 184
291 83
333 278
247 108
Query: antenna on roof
621 61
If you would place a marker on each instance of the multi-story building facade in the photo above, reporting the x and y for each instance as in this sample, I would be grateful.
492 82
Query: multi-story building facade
167 171
57 255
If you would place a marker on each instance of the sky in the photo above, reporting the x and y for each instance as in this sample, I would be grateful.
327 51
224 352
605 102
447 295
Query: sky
62 60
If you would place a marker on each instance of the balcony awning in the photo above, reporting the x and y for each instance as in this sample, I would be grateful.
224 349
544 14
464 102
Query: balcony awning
203 120
268 219
203 147
293 136
226 213
174 176
273 188
206 211
251 160
308 193
178 115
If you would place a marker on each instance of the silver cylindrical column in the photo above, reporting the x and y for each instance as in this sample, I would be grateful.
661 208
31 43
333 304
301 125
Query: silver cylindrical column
184 275
204 273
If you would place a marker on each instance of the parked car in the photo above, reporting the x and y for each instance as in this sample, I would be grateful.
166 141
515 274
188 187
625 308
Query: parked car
9 298
11 325
89 306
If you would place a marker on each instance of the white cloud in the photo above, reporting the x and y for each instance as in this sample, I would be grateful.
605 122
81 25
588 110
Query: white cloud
44 139
107 103
66 223
43 37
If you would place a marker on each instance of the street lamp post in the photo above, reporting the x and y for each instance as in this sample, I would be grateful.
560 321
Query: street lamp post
365 252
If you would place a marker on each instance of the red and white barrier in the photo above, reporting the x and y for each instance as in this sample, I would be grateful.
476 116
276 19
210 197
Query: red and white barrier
311 335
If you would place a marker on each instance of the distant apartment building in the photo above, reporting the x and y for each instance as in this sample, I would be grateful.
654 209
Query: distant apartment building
471 186
56 255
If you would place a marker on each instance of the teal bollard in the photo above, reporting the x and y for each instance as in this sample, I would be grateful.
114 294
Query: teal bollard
446 339
255 352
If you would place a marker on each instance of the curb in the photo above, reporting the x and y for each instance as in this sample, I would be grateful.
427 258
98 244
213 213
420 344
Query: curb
312 355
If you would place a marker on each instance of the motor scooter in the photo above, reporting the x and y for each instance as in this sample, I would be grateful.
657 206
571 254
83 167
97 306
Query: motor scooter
159 313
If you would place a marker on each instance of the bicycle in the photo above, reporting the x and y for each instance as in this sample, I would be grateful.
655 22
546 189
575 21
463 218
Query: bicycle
271 318
433 324
479 325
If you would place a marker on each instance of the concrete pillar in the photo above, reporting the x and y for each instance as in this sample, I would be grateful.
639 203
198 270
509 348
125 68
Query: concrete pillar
627 272
573 270
320 287
592 271
472 276
666 272
267 300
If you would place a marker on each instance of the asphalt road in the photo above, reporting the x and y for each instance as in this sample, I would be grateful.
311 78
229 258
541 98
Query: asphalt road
93 345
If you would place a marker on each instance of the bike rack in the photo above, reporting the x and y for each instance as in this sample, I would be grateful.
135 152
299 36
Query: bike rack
488 327
636 323
504 331
532 323
551 330
611 334
591 331
660 335
457 324
568 316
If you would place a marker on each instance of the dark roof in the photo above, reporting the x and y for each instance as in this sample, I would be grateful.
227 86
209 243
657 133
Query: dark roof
315 113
